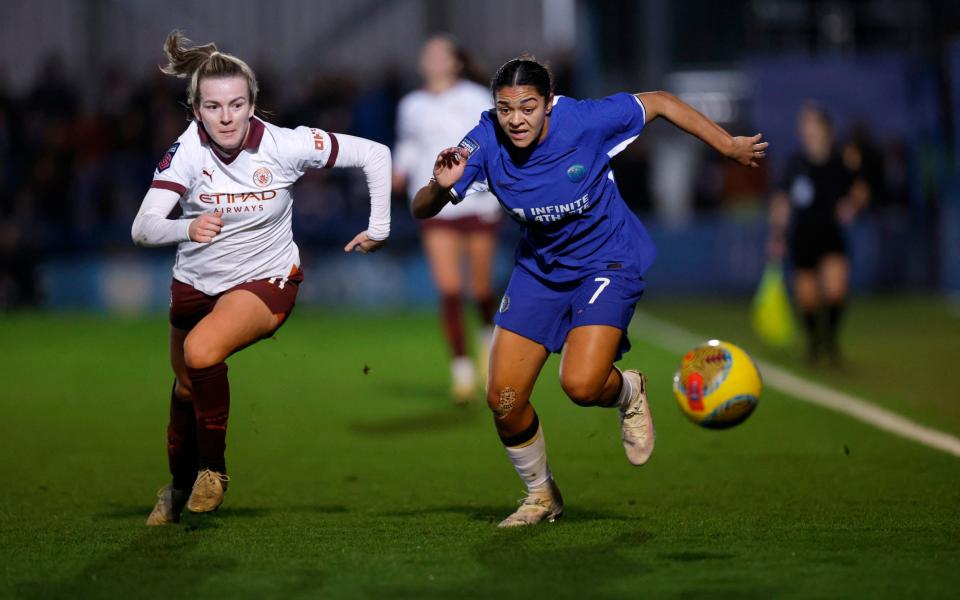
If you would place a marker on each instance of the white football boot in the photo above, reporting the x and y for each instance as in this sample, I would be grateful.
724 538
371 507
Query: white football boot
208 490
463 378
636 422
170 503
539 505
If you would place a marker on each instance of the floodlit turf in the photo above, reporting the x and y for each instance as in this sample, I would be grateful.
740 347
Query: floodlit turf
899 351
348 484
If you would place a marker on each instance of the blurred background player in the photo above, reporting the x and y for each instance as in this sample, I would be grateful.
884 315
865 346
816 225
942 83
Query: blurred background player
817 196
580 263
430 119
237 270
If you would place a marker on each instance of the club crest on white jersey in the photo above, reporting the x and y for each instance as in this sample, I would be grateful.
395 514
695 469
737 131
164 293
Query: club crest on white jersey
250 191
262 177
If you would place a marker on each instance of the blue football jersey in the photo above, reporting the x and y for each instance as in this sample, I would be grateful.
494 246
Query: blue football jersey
563 192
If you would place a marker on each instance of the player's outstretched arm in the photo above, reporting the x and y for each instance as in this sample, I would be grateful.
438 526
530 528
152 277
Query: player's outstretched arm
374 159
745 150
447 170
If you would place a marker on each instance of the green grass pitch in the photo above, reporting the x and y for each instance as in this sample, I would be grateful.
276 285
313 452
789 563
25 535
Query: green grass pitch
348 484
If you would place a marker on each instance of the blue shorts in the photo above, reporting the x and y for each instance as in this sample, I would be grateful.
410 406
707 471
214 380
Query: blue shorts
545 313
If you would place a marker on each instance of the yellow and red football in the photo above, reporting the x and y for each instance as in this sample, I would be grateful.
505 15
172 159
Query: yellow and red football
717 385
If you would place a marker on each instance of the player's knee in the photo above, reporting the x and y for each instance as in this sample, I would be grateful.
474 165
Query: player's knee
581 390
502 400
834 294
199 353
480 290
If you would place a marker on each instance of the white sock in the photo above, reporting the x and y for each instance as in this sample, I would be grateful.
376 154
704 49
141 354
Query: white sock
626 390
462 370
530 461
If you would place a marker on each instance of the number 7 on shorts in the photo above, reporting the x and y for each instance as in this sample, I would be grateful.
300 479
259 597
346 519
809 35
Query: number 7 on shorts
604 282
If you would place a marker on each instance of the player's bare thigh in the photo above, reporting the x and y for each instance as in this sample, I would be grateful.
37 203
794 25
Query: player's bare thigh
586 365
515 363
805 289
238 319
834 277
444 248
481 246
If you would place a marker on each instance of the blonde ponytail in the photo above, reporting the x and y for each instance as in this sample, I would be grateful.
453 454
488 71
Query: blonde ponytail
200 62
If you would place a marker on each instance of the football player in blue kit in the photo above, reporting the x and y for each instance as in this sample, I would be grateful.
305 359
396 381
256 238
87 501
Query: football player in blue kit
580 263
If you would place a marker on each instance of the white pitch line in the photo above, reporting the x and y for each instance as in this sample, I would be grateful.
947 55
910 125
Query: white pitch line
680 340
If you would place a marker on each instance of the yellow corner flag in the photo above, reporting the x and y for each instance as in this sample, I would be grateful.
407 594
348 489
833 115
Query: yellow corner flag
772 315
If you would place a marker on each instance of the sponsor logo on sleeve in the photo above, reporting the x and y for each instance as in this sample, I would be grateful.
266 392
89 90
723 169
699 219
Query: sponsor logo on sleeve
317 139
469 145
167 158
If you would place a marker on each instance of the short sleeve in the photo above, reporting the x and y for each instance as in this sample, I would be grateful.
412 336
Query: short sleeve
176 170
474 177
312 148
619 118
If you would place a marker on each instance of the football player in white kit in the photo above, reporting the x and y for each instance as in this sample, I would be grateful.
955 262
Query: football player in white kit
430 119
237 268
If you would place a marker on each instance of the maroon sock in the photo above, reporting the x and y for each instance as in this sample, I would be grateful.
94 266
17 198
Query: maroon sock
487 306
182 442
451 309
211 401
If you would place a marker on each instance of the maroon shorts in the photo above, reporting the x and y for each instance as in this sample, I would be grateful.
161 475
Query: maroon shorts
471 224
188 305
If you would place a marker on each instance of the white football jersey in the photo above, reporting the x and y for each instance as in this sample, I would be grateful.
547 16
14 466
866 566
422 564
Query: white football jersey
428 123
250 191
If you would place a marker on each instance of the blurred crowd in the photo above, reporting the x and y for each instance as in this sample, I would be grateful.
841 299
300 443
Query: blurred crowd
74 174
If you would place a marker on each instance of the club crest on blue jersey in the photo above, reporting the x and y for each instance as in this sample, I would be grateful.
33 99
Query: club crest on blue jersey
469 145
505 304
576 172
167 158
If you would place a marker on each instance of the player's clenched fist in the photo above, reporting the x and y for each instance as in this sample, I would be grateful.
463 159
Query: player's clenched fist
205 227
